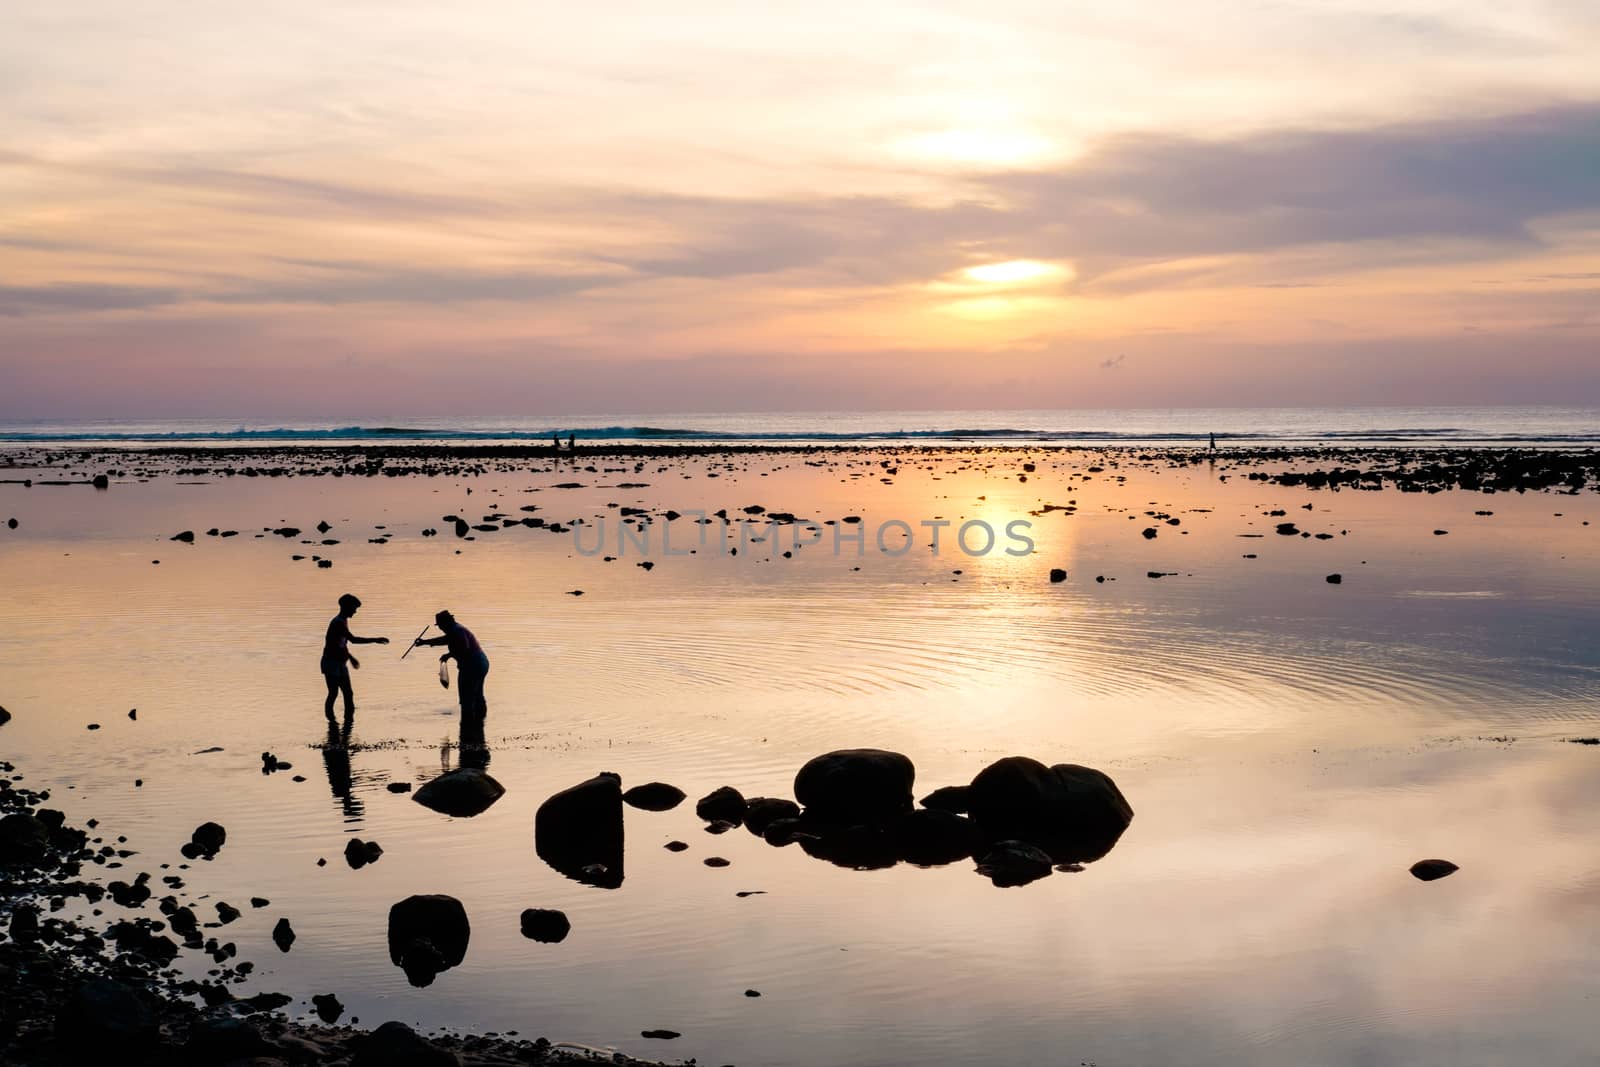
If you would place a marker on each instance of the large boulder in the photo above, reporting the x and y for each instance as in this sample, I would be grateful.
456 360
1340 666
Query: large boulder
428 933
394 1044
106 1018
223 1039
1076 814
579 831
463 793
854 786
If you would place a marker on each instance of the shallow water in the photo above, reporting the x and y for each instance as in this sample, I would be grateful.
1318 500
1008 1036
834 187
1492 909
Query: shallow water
1290 747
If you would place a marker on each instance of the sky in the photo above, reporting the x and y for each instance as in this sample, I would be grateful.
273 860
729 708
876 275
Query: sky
491 207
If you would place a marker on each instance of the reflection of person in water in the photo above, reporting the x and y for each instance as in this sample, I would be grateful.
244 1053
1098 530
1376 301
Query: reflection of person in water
336 657
336 760
472 665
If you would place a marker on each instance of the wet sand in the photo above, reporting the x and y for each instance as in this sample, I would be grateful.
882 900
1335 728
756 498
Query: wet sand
1290 745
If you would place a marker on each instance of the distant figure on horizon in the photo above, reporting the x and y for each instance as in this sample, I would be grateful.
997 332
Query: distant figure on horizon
572 442
555 441
336 657
1213 440
472 665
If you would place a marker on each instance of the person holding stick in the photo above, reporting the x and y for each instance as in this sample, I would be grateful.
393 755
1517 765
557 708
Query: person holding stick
336 657
472 664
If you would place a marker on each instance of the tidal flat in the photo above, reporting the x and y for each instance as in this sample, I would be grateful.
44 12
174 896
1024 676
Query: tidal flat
1304 670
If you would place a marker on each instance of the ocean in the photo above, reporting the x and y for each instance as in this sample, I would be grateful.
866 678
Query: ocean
1304 427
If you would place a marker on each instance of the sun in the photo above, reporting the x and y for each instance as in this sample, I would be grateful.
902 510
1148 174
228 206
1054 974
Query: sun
1014 272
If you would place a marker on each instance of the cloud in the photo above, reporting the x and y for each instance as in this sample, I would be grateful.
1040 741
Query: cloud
54 299
1114 362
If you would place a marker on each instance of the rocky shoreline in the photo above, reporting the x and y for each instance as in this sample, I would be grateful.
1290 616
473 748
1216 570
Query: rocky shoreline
82 989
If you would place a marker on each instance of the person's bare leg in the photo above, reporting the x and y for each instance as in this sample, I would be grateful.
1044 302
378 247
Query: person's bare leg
333 691
349 697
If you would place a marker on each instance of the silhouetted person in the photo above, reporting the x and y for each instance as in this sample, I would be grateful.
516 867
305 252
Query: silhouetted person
1213 442
336 657
572 442
555 442
472 665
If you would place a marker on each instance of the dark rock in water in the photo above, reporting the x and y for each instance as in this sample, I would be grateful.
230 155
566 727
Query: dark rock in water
461 793
328 1007
1288 529
1057 574
654 796
853 786
1076 814
226 912
1335 579
100 481
359 853
394 1044
138 938
259 902
23 839
726 804
719 826
283 935
782 832
428 934
952 798
187 537
661 1035
184 923
1149 533
931 838
323 527
1013 863
208 838
106 1018
399 787
715 861
1428 870
676 846
579 831
762 812
546 925
5 716
223 1040
865 847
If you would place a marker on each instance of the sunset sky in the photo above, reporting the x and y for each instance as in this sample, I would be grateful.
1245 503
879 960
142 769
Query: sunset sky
525 207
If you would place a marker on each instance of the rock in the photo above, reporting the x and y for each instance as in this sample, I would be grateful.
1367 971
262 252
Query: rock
208 838
1288 529
1429 870
283 935
24 928
100 481
719 826
1057 575
428 933
106 1018
328 1007
259 902
226 913
1014 863
1074 813
399 787
23 840
782 832
461 793
676 846
853 786
546 925
762 812
726 804
952 798
1335 579
394 1044
660 1035
359 853
5 716
187 537
929 837
654 796
715 861
752 992
867 847
578 831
